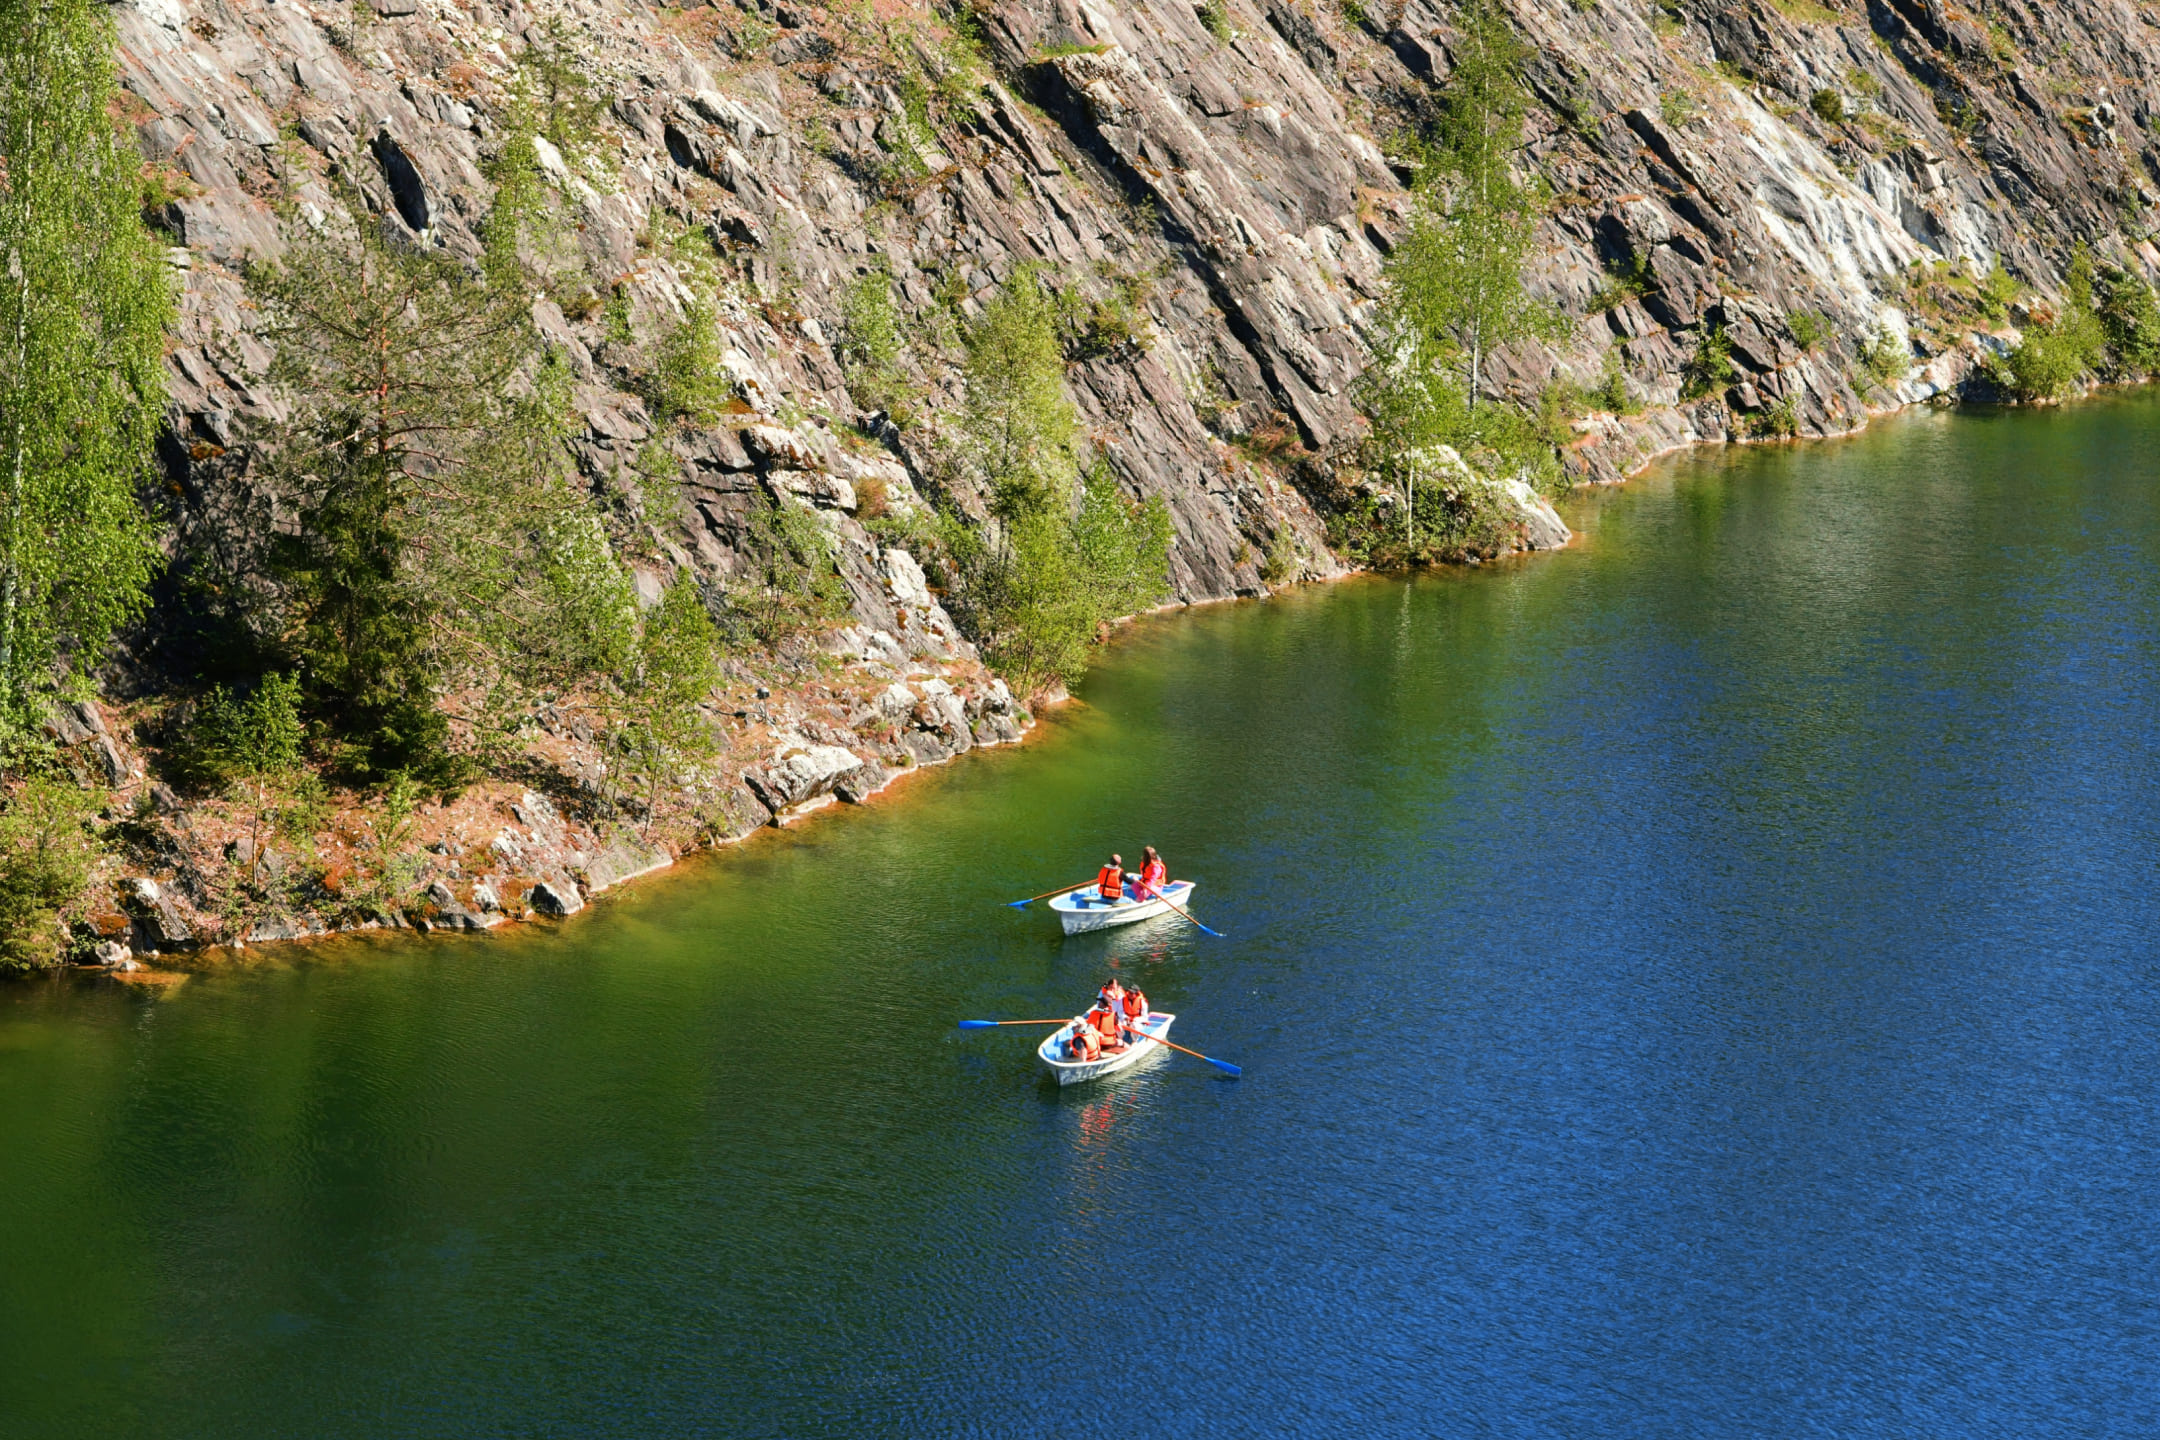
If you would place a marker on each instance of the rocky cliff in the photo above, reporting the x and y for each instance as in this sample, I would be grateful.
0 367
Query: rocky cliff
1824 185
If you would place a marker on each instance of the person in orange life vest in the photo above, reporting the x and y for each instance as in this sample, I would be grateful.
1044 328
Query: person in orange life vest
1152 877
1082 1044
1112 995
1107 1027
1134 1007
1110 881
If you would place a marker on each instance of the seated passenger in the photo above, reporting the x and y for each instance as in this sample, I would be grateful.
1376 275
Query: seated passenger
1112 994
1133 1007
1152 877
1082 1044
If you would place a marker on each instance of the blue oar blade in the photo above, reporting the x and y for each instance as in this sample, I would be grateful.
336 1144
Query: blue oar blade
978 1024
1226 1067
1020 904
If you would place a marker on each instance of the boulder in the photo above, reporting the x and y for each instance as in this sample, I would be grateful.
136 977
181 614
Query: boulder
861 783
1543 529
799 773
623 859
114 956
558 898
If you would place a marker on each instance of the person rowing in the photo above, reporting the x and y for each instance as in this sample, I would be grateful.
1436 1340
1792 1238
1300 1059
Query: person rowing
1110 881
1148 884
1083 1044
1109 1027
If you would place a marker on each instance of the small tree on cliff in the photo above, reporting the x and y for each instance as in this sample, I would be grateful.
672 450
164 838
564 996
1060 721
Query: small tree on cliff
84 304
1455 290
1063 550
674 668
424 457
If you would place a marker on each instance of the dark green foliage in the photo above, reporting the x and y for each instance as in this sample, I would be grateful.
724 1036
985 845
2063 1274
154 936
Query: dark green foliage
1036 594
1829 106
1053 566
673 670
1809 330
254 739
2130 321
424 457
1629 277
1710 368
1611 393
554 86
1776 422
47 848
84 304
1215 18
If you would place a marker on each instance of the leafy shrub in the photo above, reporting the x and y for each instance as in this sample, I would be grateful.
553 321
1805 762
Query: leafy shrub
1215 17
46 851
1809 329
1886 358
1775 422
870 343
687 381
1829 106
1997 292
1710 368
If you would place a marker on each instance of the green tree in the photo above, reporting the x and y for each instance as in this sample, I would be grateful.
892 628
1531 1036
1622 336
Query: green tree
424 452
1455 290
1061 553
675 667
2130 319
687 381
870 342
84 304
2055 354
254 739
47 849
1018 428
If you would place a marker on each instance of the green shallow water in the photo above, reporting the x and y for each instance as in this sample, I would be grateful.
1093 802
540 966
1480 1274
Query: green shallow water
1697 984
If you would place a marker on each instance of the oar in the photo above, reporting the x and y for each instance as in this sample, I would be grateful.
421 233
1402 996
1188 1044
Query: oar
993 1024
1223 1065
1020 904
1182 911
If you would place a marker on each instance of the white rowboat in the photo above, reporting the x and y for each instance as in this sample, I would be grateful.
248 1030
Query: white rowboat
1083 910
1146 1030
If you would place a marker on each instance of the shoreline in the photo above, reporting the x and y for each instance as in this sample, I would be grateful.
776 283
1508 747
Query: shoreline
161 965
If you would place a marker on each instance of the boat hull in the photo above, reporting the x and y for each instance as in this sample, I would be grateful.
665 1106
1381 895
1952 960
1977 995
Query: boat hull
1082 910
1152 1026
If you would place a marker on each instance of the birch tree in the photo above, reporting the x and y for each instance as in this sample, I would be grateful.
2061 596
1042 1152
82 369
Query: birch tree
84 304
1455 291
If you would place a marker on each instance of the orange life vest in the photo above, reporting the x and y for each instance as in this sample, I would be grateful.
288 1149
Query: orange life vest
1110 884
1152 876
1135 1004
1105 1020
1111 995
1084 1045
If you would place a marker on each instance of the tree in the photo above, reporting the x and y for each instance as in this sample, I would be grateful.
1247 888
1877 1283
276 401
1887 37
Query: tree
84 304
1060 554
46 851
424 455
1018 427
1455 290
255 739
675 667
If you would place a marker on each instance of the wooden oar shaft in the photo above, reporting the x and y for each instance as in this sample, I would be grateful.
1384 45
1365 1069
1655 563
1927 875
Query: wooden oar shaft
1162 1040
1048 893
1177 907
1066 1021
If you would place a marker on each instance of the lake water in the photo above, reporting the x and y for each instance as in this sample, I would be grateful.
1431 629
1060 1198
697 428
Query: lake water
1697 985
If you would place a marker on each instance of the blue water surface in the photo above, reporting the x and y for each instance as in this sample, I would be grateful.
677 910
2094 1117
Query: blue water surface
1697 985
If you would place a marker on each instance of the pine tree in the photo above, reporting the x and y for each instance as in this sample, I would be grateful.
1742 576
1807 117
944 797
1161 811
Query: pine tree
439 539
84 304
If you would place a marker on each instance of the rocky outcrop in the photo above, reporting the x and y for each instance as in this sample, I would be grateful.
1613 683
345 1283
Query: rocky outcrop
1813 185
